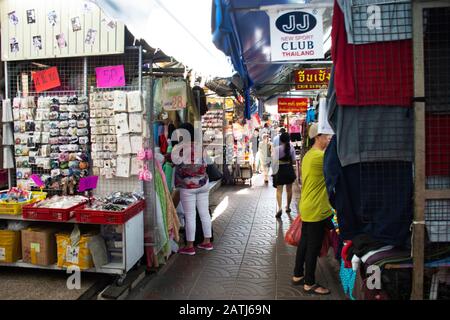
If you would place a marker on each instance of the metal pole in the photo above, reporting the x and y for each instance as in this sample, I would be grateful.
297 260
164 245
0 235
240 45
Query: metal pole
7 97
85 75
140 69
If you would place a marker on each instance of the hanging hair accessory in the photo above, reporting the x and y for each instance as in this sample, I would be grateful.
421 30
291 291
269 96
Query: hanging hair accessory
145 154
145 174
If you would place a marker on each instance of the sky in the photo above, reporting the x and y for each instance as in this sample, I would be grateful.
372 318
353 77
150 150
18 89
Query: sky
180 28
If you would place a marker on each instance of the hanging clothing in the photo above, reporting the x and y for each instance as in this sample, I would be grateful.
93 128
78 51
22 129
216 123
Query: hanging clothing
168 172
348 278
338 193
156 126
395 24
369 134
163 144
437 144
378 73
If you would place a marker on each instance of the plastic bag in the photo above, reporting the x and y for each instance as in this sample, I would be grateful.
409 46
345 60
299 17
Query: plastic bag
294 232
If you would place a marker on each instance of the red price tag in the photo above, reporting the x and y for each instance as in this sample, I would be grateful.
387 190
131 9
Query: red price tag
47 79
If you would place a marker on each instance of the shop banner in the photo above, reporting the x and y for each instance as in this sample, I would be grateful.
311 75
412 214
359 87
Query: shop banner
174 95
296 35
46 79
294 105
110 76
312 79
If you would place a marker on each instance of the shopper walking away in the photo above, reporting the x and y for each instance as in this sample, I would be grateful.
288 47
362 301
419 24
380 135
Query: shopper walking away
315 211
265 149
192 180
284 173
254 148
276 139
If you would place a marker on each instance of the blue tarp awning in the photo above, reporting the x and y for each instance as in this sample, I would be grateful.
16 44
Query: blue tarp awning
242 32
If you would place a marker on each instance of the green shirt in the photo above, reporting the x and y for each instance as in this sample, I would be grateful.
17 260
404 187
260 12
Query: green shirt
314 205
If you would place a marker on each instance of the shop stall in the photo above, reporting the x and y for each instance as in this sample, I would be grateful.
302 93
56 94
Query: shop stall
85 188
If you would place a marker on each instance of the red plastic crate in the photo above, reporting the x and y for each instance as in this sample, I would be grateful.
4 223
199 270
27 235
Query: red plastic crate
83 215
49 214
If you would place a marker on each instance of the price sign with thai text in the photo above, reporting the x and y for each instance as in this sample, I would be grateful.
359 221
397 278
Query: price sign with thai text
110 76
294 105
46 79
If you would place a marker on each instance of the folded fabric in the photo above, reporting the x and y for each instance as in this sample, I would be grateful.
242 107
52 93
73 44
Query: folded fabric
371 253
395 254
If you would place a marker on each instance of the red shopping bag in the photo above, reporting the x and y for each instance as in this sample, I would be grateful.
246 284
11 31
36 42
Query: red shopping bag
294 232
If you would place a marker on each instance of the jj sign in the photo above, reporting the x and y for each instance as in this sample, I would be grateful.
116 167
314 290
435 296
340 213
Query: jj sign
296 35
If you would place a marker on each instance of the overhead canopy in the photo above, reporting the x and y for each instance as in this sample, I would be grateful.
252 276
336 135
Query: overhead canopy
241 30
180 28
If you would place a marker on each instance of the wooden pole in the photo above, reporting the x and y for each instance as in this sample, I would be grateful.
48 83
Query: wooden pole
418 230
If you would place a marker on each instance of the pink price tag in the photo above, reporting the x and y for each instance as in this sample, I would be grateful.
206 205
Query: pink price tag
110 77
37 180
88 183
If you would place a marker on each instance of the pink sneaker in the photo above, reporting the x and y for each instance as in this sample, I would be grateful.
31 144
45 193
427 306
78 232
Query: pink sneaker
207 247
188 251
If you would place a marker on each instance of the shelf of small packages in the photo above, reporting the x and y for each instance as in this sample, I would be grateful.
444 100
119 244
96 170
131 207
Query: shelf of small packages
116 266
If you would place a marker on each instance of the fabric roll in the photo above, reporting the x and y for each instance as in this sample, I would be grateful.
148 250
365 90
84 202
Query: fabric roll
7 115
8 138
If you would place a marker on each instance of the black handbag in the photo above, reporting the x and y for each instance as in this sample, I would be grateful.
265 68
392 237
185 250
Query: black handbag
213 172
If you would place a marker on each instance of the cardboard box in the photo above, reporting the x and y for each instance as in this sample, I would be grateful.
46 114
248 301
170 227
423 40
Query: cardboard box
9 246
39 246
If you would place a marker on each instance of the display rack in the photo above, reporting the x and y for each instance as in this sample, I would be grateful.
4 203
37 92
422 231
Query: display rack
132 248
77 75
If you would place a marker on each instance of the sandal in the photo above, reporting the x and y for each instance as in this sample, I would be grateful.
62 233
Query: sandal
279 213
288 210
298 282
313 289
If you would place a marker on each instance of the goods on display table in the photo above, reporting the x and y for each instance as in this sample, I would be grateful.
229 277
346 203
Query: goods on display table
12 201
212 126
107 236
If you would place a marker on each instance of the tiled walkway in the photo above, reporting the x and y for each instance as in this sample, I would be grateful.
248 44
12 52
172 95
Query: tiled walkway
250 259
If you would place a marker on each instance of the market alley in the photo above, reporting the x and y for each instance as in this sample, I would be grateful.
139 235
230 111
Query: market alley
250 259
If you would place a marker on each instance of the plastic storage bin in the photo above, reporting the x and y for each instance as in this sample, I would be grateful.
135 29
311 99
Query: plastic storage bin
17 208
